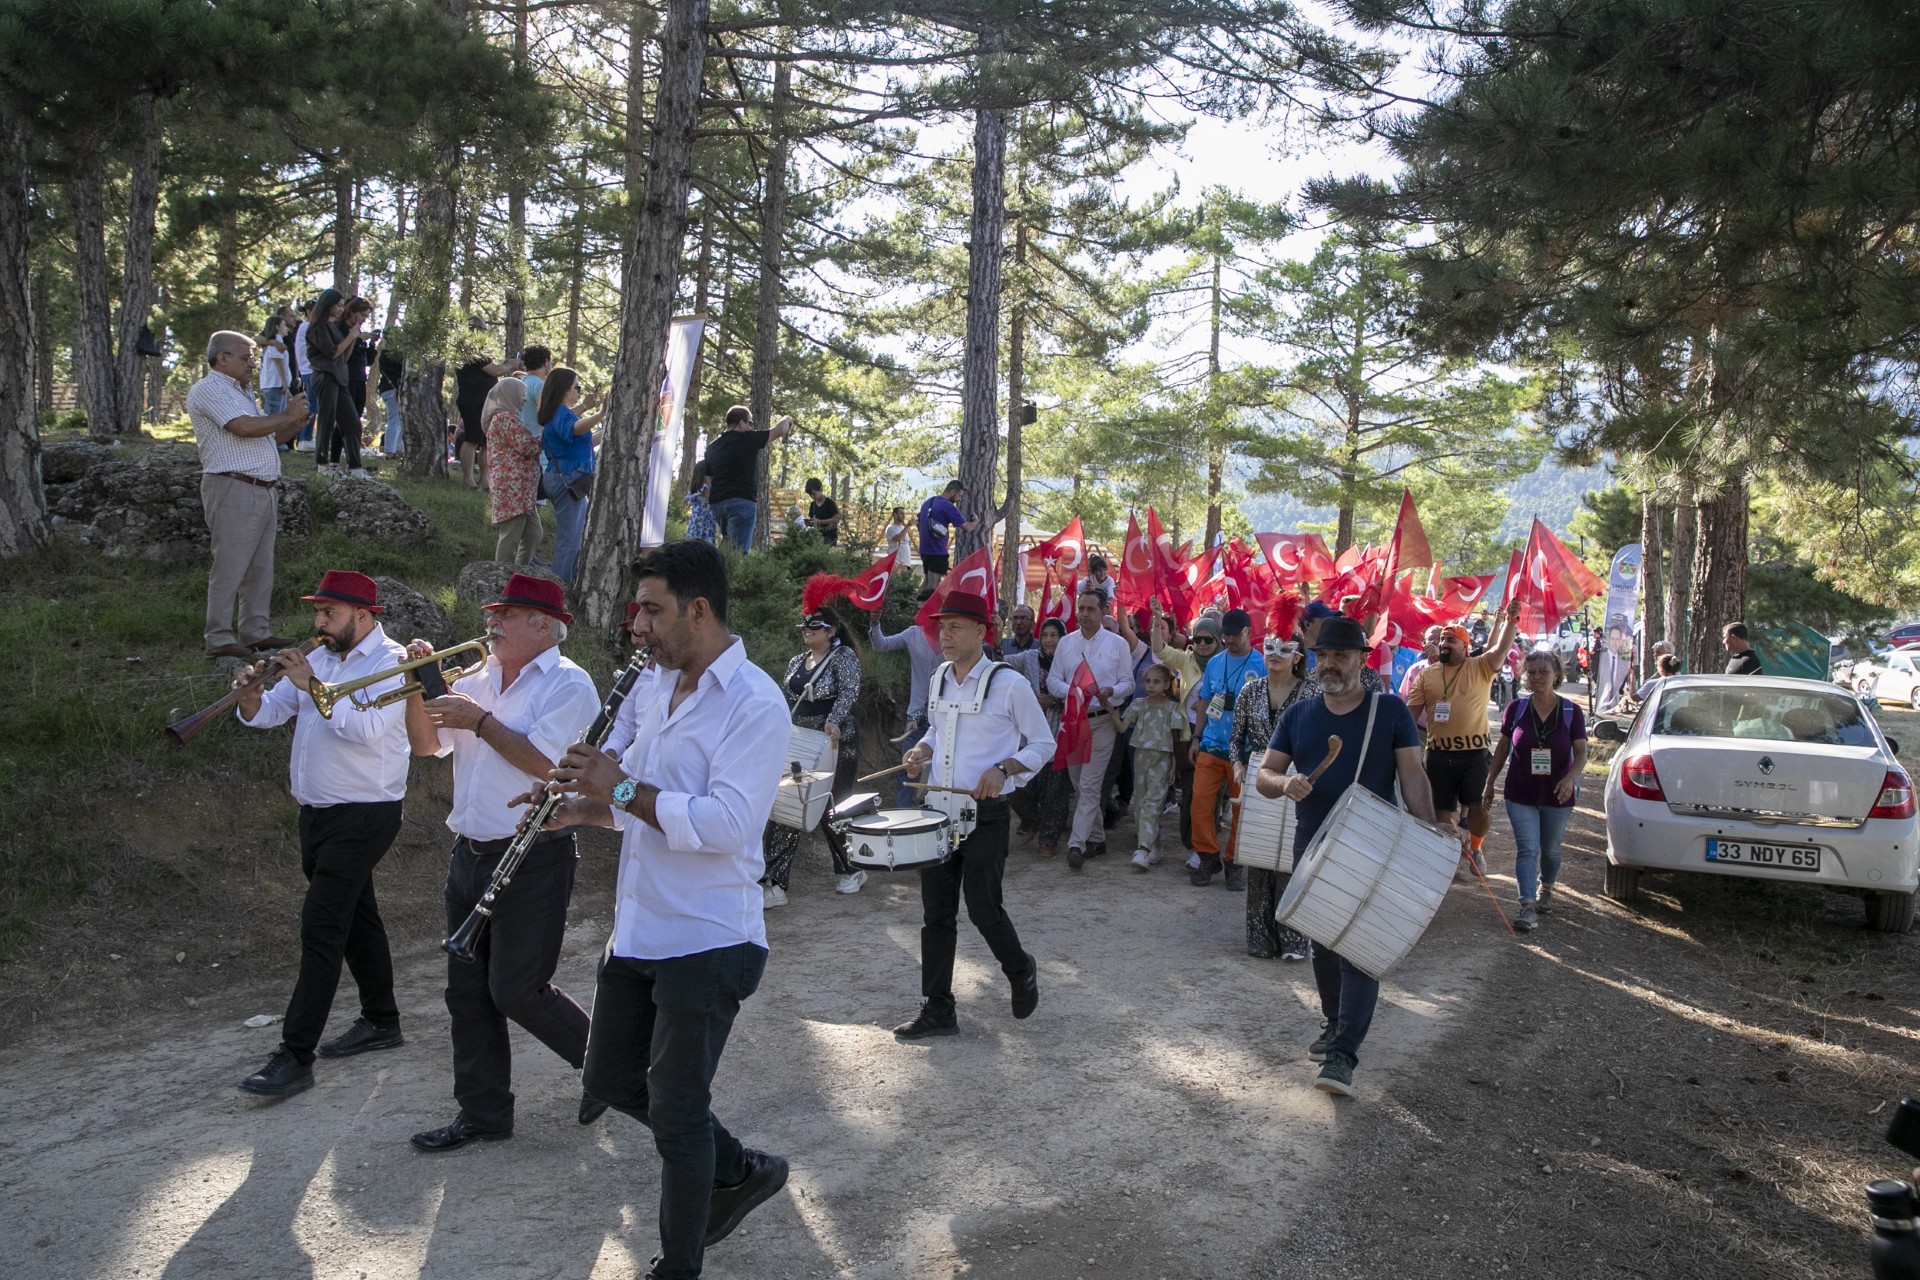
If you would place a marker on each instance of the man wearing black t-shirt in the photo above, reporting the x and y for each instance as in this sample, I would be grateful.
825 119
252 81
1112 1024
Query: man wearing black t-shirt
823 513
733 458
1741 659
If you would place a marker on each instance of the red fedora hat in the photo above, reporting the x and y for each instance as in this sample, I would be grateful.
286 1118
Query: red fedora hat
542 595
965 604
348 587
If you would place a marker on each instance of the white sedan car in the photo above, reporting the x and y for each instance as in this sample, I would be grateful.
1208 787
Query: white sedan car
1766 777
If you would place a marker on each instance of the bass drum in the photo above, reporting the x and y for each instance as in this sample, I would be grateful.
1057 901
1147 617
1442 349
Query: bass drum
899 839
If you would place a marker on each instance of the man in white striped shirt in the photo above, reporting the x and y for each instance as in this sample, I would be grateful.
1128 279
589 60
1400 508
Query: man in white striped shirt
239 465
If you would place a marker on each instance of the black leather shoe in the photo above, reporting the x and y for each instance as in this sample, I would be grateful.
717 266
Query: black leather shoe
927 1023
362 1037
457 1134
283 1076
591 1108
1236 878
1096 848
1076 856
1026 990
765 1175
1204 873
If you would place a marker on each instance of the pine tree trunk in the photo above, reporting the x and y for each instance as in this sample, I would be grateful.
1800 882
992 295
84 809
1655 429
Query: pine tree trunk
226 251
469 262
1719 590
577 268
980 366
1653 617
42 338
423 406
766 310
1680 571
400 232
136 267
690 421
23 506
93 325
343 230
646 310
515 321
1011 586
1216 447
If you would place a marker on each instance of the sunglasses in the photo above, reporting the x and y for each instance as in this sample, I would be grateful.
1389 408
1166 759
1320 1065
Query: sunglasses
1205 640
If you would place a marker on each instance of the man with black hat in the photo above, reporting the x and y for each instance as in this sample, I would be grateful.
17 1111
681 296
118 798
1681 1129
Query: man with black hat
986 733
505 728
1219 687
348 775
1380 747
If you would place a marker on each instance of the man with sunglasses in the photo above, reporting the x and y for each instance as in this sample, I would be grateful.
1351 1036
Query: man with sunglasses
1217 690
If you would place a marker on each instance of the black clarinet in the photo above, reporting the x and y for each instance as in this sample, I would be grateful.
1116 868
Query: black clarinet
461 945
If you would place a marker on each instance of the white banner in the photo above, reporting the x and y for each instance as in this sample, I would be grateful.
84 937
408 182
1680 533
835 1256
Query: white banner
683 348
1614 663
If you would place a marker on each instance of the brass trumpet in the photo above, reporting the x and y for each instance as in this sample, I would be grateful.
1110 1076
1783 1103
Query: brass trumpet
326 697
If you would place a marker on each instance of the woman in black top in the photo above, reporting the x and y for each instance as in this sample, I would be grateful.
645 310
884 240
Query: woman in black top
471 383
822 683
331 335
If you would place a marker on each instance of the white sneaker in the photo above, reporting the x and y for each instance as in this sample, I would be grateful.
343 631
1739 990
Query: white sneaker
1153 856
772 895
303 446
851 883
1193 862
1142 860
360 473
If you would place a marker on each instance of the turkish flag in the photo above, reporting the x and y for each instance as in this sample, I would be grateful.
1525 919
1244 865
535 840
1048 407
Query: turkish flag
1461 595
974 574
1401 622
1136 568
1553 581
867 591
1065 552
1296 557
1075 743
1409 548
1061 604
1169 580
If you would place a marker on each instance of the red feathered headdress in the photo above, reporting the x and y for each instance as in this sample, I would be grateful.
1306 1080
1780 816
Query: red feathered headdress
1283 615
822 587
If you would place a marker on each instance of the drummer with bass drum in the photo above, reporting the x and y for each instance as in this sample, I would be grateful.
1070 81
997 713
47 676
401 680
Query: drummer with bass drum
986 735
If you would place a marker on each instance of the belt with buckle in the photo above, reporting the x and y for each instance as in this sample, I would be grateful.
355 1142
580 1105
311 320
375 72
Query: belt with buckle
494 848
244 478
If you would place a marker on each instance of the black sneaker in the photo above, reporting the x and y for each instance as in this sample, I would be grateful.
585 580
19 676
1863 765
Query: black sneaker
362 1037
1026 990
1236 878
927 1023
1096 848
1318 1049
283 1076
1204 873
730 1205
1336 1075
1076 856
1545 905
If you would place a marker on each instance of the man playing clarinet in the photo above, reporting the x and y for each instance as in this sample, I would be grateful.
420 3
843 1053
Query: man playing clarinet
505 730
986 735
691 796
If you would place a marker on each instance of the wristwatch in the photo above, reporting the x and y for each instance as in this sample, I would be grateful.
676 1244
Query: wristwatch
623 791
1003 770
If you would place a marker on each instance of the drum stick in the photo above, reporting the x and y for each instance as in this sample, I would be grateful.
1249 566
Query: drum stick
884 773
1333 753
929 786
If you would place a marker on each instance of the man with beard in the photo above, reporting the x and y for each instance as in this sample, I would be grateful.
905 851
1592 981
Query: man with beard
348 775
505 729
1453 694
1379 748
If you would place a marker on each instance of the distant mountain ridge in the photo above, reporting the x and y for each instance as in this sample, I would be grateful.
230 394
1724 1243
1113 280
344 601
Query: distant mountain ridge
1552 493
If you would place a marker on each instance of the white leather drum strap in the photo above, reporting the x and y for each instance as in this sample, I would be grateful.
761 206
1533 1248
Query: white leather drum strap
950 710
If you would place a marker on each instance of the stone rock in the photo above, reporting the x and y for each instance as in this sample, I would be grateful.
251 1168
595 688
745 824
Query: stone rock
481 581
375 512
144 502
65 461
408 615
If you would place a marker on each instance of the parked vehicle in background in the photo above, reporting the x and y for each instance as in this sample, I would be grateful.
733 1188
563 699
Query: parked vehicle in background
1765 777
1905 633
1899 677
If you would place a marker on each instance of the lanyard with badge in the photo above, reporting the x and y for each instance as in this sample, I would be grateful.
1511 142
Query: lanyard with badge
1222 702
1542 737
1443 709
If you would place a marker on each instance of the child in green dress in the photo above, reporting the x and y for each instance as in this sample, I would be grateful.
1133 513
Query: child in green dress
1159 724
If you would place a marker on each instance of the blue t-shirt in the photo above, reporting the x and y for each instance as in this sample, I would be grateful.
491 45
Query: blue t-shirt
530 411
569 452
936 513
1224 674
1302 735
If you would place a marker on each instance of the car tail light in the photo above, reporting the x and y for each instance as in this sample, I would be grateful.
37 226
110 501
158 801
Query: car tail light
1638 779
1896 797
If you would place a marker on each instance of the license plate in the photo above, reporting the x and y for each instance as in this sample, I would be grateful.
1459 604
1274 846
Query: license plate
1748 853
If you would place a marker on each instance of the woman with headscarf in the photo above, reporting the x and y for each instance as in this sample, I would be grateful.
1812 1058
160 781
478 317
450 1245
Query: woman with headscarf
515 473
822 684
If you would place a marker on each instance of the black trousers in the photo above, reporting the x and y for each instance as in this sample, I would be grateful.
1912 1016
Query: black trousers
513 977
340 845
659 1027
973 872
336 424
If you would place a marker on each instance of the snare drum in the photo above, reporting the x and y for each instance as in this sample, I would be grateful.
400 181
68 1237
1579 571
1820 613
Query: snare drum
809 749
802 799
1265 838
899 839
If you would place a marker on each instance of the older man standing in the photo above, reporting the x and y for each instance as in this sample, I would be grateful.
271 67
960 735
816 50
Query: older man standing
239 466
1111 663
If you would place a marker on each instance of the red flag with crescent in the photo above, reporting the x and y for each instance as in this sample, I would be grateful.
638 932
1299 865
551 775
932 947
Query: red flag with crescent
974 574
1463 595
1075 743
1169 582
1136 567
866 591
1296 557
1060 603
1062 555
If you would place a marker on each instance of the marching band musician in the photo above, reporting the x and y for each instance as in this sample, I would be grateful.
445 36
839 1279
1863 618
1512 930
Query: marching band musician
691 795
348 775
505 731
989 736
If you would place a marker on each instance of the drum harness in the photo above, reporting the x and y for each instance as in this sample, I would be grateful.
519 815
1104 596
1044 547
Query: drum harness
954 804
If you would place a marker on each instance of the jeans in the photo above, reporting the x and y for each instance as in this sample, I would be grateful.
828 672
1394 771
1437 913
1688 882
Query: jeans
340 845
1347 1000
273 401
735 518
905 797
305 383
392 443
974 872
1536 845
659 1027
513 976
570 522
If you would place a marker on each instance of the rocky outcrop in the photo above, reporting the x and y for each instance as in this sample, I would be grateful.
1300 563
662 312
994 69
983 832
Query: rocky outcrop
481 581
408 615
144 502
375 512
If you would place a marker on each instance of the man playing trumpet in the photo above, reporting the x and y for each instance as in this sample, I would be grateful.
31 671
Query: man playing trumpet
348 774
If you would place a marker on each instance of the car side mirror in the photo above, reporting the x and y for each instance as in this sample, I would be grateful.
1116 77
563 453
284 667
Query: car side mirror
1609 731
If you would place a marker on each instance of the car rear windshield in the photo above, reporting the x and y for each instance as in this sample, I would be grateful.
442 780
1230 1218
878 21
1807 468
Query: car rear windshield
1774 715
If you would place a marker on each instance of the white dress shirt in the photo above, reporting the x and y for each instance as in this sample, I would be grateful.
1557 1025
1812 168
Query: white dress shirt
1107 655
1009 726
627 723
212 403
357 757
298 350
552 702
692 884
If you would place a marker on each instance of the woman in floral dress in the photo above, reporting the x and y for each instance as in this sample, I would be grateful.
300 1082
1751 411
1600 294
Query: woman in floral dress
513 463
